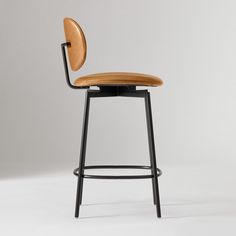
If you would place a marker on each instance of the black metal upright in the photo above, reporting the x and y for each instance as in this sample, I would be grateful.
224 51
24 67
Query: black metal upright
82 155
152 152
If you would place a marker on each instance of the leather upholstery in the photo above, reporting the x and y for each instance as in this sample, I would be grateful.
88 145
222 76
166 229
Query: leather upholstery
118 78
77 50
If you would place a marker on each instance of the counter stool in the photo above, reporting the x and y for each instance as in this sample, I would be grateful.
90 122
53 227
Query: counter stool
110 84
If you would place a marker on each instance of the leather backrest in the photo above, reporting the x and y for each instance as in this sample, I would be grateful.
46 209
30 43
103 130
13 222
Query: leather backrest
78 48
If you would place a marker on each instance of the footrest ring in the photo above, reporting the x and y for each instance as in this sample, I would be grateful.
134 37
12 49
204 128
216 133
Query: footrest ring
159 172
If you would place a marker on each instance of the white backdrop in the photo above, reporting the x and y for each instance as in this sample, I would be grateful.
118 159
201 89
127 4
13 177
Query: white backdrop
189 44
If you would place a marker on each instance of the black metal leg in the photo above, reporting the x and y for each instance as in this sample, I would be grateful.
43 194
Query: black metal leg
152 153
82 155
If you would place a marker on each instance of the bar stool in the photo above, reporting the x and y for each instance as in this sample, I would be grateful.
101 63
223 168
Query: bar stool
110 84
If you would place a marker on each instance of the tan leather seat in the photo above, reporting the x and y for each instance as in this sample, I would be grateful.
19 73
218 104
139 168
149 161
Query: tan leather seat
118 78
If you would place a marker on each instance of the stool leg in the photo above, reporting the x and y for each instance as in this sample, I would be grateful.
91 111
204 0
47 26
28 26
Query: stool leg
152 153
82 156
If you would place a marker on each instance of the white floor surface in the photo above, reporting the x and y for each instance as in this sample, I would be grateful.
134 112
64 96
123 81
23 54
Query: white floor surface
195 201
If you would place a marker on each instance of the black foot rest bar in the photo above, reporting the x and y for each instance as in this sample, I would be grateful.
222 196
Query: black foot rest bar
159 172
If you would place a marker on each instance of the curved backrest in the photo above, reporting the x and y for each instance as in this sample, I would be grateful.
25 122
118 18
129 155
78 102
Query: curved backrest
77 49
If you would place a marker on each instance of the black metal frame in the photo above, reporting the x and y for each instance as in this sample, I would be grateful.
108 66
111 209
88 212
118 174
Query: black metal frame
112 91
63 50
